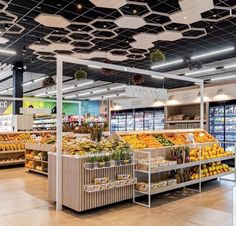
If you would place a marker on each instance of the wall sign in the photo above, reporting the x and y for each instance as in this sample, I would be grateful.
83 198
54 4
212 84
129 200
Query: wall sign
4 104
146 92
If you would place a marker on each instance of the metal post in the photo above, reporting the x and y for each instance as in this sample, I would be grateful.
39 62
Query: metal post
202 105
59 135
79 110
109 114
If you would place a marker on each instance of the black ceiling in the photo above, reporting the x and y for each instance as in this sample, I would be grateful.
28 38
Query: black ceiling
222 35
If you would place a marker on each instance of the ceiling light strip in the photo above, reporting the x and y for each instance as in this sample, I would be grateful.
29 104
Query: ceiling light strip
223 78
5 51
213 53
167 64
200 71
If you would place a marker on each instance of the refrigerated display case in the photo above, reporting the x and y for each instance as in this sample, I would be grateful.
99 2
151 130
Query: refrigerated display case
137 119
223 122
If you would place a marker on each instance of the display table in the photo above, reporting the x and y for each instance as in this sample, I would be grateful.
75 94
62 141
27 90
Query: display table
76 177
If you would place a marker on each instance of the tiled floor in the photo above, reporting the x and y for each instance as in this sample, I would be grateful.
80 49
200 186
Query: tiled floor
24 203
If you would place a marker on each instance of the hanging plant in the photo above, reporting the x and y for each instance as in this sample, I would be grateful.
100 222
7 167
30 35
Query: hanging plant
137 79
80 74
157 56
48 82
107 71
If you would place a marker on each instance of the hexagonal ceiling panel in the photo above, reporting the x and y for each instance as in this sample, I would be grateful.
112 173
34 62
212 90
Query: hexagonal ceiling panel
51 20
113 4
132 22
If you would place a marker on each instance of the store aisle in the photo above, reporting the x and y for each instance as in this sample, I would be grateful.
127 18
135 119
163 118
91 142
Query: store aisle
24 203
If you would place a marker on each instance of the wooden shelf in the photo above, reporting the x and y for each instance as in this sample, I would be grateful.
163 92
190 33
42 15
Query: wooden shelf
12 162
15 151
37 171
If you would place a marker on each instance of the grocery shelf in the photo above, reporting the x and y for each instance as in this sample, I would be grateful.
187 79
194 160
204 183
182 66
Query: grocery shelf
186 165
185 184
37 171
11 162
183 121
13 151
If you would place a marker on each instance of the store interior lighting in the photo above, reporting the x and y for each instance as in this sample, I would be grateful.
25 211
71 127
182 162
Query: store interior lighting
8 52
167 64
200 71
223 78
213 53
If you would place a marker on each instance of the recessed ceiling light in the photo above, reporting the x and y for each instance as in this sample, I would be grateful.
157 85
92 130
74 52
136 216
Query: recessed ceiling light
175 28
214 15
211 27
79 6
104 25
134 11
127 41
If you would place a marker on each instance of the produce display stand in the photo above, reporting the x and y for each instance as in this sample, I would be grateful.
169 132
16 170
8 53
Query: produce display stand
36 159
77 176
13 155
160 174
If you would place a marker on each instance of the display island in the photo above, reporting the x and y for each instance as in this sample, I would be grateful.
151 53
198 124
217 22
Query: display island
136 165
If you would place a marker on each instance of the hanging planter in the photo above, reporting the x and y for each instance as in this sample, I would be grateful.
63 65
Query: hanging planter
157 56
137 79
48 82
80 74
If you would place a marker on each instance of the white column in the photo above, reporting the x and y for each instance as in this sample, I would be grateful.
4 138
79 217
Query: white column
79 110
109 113
202 105
59 135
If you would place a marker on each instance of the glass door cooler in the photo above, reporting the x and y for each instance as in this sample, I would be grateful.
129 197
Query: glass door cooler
139 125
149 120
130 121
159 119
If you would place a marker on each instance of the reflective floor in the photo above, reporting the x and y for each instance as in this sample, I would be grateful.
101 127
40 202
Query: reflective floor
23 202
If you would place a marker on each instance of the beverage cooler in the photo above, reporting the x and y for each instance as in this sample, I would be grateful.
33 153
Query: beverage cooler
137 119
222 122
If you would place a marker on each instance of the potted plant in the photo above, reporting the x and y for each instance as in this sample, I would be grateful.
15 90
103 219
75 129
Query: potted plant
91 162
80 74
137 79
117 156
101 161
157 56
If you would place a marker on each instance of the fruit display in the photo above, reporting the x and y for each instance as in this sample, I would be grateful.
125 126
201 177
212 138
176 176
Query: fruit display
202 137
134 142
29 155
11 159
208 152
141 141
178 138
210 169
11 146
162 139
29 164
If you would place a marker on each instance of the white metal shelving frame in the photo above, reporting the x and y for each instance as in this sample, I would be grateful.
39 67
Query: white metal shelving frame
149 173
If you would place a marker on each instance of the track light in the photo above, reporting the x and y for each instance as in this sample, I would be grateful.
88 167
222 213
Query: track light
167 64
213 53
94 66
85 84
229 66
27 83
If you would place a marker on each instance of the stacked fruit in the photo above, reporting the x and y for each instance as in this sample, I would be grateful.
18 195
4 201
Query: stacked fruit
179 139
164 140
134 142
202 137
11 146
149 141
208 152
208 170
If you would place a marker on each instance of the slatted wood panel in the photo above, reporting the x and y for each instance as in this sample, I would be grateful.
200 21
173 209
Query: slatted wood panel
75 176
